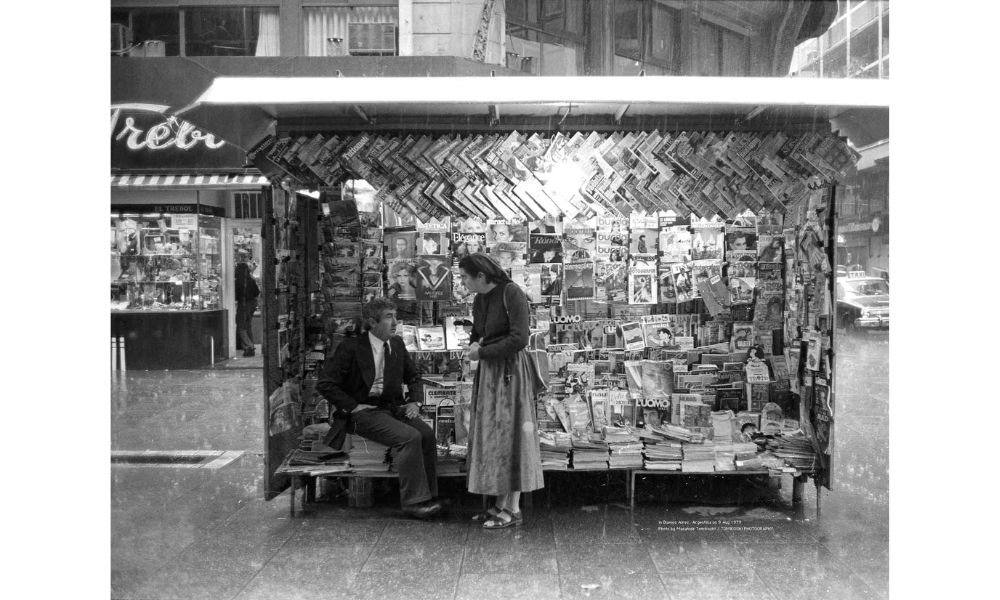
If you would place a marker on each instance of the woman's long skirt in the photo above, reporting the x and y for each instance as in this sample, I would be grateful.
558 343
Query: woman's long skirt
503 454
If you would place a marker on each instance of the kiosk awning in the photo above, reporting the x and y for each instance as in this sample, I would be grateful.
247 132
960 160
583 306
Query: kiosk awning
243 110
174 181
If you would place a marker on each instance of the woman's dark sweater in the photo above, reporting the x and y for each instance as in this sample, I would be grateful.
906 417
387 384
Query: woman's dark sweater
498 335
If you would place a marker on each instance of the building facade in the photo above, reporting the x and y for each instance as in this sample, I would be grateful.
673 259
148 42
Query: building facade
857 46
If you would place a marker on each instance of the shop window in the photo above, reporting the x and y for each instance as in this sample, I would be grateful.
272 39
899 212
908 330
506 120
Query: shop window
628 28
663 36
140 25
351 30
231 31
246 205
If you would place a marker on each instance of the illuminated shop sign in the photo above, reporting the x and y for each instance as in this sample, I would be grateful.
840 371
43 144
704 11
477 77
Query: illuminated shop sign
147 137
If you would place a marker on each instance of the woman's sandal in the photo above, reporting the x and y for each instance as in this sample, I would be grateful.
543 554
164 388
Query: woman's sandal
504 519
487 514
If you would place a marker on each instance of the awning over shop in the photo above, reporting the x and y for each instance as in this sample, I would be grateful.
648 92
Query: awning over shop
180 181
243 109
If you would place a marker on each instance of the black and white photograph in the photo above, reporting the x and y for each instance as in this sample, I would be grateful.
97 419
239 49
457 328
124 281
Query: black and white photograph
670 186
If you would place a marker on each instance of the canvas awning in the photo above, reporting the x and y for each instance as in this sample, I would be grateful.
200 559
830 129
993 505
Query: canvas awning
152 181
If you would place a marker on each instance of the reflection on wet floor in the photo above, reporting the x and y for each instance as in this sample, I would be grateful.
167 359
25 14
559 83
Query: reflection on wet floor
196 533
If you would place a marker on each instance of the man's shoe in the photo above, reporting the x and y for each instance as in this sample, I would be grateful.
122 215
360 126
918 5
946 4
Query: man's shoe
424 510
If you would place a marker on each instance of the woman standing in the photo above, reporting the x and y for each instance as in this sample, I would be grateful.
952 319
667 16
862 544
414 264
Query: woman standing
246 303
503 455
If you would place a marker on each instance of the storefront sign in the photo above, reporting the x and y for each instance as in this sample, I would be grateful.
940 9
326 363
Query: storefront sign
147 137
174 209
877 224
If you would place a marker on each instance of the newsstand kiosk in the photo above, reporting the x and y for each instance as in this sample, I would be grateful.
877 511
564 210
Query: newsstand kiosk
675 237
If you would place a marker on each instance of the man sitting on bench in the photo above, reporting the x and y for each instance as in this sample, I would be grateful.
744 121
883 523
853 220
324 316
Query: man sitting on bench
363 379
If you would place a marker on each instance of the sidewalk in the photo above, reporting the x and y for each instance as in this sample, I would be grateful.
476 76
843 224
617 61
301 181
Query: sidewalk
189 533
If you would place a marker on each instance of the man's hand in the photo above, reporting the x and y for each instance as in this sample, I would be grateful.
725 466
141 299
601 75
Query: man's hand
362 407
474 351
411 410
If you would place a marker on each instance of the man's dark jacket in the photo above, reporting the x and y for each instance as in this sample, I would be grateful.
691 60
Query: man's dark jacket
348 375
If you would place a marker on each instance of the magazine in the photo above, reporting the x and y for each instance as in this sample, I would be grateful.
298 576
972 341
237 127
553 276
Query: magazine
432 278
580 240
770 248
657 331
642 285
409 335
742 337
499 231
545 248
707 241
683 285
401 244
456 331
632 336
431 338
579 280
610 283
459 293
675 244
657 379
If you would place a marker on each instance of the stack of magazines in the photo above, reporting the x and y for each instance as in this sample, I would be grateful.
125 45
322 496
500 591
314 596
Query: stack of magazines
663 456
626 455
797 451
725 457
618 434
589 454
675 432
367 456
555 447
318 463
698 458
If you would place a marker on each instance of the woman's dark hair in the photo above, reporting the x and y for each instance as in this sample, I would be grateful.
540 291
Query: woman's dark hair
477 263
242 271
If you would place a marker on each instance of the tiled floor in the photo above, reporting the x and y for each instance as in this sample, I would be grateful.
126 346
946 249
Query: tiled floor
192 533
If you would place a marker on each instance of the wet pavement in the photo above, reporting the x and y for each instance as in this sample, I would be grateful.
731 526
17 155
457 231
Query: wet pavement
192 533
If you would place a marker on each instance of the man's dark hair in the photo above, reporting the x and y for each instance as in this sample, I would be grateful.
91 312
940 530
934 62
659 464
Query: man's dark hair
374 308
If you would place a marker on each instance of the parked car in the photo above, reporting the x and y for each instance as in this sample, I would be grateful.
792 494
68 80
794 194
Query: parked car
863 303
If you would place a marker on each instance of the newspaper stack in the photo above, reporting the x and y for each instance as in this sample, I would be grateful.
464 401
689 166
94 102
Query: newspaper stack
555 447
367 456
663 456
625 455
618 434
797 451
698 458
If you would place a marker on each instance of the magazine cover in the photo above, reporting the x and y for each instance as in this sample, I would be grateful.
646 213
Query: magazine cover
550 224
742 337
544 248
568 330
456 332
409 335
632 336
657 330
741 290
533 283
430 337
707 241
770 248
612 231
683 285
468 237
643 241
509 254
432 279
633 378
579 280
580 240
400 244
610 283
434 238
668 293
642 285
550 280
499 231
657 379
459 293
675 244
